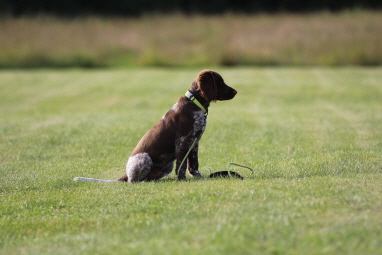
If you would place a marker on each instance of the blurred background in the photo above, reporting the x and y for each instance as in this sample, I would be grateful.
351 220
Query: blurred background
179 33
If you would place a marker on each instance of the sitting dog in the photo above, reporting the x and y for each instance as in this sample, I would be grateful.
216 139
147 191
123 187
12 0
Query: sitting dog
176 135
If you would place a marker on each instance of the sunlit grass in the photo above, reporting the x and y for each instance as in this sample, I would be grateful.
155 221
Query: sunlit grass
312 135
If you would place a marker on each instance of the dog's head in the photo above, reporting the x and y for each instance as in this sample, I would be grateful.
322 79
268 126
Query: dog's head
211 87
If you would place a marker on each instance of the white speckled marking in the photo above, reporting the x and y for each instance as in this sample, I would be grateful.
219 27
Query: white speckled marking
138 167
173 108
200 121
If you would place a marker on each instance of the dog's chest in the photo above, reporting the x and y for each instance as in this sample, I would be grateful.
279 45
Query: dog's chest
200 121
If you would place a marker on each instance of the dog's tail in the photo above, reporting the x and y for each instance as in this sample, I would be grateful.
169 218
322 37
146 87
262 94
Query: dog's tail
93 180
122 179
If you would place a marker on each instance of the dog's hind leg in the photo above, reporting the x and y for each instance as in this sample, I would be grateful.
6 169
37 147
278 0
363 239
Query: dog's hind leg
156 172
138 167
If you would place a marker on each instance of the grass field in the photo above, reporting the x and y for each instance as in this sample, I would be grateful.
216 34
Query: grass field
346 38
313 136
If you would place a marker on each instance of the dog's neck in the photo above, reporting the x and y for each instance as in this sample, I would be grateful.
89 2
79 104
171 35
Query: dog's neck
200 99
194 89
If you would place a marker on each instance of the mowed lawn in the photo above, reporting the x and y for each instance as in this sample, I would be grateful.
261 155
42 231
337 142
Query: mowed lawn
312 135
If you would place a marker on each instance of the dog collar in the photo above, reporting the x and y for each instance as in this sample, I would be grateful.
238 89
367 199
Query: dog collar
191 96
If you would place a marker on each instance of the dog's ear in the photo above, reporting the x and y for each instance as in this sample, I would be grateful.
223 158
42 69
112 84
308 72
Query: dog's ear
207 85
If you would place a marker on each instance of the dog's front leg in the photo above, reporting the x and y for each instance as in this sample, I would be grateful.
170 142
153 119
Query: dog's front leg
182 148
193 163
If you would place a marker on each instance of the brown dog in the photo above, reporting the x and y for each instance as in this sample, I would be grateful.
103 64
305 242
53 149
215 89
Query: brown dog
175 133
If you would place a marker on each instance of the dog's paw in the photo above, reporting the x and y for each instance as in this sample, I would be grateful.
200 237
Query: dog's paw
182 178
195 174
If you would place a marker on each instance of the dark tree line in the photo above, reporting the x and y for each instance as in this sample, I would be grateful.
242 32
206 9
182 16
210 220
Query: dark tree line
138 7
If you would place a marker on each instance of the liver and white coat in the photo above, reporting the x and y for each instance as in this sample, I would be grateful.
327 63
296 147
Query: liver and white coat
171 137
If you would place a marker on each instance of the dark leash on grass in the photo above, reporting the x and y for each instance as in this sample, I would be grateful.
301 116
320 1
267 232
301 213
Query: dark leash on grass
228 173
220 174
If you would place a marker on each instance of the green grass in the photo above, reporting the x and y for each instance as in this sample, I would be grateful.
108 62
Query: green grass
313 136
